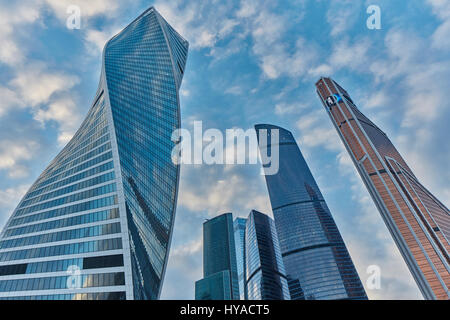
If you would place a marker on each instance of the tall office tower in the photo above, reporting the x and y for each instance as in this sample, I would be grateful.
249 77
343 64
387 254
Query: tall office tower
239 240
418 222
219 261
265 274
98 221
317 263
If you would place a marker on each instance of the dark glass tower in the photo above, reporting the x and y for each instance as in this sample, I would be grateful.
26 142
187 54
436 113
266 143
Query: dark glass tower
265 274
219 255
418 221
97 223
239 240
214 287
317 263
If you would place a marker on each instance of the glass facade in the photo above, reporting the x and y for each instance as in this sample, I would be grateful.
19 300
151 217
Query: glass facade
219 251
418 222
98 221
239 240
265 273
214 287
318 265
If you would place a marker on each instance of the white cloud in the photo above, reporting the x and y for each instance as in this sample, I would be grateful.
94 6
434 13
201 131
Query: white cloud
96 40
185 92
376 99
12 153
36 84
284 108
275 57
65 112
13 17
220 191
42 92
184 268
11 196
202 23
247 9
352 56
416 86
316 131
10 100
89 8
322 70
341 15
440 38
235 90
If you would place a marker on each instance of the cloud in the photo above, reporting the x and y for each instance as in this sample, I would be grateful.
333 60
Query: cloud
276 56
89 8
10 100
235 90
12 195
202 23
13 17
221 190
185 92
36 85
247 9
441 9
12 153
350 55
184 268
320 71
9 198
96 40
417 87
285 108
341 16
65 113
316 132
45 94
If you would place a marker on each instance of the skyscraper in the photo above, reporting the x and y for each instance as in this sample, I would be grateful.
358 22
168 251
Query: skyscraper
219 256
265 274
317 263
97 223
239 240
214 287
418 222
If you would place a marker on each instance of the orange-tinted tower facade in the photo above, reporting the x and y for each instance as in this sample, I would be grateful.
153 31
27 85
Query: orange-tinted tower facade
418 222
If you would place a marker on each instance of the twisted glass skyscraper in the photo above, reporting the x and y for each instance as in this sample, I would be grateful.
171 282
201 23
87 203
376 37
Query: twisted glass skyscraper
97 223
317 263
417 220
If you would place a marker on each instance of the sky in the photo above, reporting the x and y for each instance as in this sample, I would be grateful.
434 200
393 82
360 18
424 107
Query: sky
250 61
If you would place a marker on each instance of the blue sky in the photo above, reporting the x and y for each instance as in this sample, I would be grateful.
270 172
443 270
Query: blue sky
250 61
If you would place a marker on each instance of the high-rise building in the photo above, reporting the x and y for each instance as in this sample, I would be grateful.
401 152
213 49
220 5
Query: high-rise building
317 263
239 240
214 287
219 255
97 223
265 274
418 222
